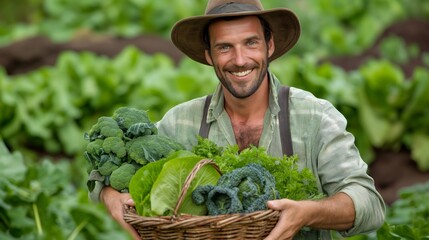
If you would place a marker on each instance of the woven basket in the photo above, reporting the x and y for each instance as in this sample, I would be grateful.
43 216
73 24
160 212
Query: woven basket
255 225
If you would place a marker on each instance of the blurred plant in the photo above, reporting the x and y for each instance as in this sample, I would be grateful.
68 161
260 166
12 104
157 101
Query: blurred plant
42 200
48 110
329 27
406 219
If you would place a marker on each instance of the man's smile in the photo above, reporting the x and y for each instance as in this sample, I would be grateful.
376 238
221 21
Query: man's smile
242 73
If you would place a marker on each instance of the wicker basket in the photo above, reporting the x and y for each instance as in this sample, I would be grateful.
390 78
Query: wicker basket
255 225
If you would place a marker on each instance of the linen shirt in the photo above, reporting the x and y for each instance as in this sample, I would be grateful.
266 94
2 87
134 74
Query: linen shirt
319 139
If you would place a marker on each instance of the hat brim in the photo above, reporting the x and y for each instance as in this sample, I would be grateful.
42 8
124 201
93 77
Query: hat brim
187 34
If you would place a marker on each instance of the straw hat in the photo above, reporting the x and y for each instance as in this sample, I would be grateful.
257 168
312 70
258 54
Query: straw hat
187 34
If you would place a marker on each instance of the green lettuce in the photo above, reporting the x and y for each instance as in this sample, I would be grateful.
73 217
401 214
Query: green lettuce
155 188
168 186
141 184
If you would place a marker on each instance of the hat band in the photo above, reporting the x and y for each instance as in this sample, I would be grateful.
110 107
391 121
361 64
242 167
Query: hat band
233 7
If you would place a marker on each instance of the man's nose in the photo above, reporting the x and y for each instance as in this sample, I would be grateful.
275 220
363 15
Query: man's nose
239 56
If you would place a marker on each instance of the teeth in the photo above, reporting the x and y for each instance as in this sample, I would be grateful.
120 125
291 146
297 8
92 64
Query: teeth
241 74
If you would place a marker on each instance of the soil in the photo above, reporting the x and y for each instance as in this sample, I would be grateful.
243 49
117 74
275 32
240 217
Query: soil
32 53
391 170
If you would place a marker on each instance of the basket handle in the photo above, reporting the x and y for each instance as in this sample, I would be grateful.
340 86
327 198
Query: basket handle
189 179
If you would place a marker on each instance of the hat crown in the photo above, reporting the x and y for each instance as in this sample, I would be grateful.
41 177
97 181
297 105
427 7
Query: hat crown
228 6
188 33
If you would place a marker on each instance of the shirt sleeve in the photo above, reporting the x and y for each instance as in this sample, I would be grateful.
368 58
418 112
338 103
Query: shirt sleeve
369 208
341 169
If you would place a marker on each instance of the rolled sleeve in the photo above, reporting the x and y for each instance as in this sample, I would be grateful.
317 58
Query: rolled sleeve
341 169
369 209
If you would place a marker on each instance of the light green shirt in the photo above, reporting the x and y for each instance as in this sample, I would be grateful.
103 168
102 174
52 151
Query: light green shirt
319 139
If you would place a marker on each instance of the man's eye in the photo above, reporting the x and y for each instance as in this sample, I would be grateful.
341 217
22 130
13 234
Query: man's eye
224 48
251 42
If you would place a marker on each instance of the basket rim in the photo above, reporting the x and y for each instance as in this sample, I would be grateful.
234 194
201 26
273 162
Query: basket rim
185 220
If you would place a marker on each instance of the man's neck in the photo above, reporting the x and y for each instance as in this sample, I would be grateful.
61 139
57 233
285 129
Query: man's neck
252 107
247 116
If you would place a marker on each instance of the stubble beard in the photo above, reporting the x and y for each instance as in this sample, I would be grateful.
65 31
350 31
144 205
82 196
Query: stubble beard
242 91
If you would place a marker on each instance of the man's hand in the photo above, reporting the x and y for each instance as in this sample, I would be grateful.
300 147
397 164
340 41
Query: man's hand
334 213
291 219
114 202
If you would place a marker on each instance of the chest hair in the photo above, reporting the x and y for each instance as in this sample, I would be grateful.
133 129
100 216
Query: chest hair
246 135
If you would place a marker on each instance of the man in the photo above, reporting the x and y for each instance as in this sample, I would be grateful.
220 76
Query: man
239 39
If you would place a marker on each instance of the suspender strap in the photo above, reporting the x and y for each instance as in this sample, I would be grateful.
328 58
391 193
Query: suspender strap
205 128
284 124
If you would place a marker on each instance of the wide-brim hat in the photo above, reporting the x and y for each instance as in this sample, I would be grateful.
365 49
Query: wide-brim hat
187 34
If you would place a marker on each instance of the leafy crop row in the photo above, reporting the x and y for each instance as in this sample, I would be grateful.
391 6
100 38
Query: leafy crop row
40 200
384 109
328 26
49 109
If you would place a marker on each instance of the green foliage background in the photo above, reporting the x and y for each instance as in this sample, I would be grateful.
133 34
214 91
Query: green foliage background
45 113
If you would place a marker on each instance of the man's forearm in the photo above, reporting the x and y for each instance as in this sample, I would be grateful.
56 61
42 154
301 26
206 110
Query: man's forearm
336 212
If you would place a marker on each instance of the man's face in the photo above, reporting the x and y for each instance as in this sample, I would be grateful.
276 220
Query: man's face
239 54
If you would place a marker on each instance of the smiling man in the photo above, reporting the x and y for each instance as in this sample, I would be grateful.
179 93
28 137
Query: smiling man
250 107
239 54
240 58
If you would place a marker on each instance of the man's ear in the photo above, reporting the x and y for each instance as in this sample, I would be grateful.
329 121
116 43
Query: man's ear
208 57
271 46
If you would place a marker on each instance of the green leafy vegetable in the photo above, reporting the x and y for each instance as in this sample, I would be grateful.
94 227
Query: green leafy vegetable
40 200
142 181
121 144
105 127
121 177
114 145
406 219
206 148
108 167
245 189
291 182
218 199
150 148
168 186
127 118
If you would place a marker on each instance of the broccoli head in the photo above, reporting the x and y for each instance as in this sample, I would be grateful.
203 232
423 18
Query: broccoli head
127 116
151 148
107 168
95 147
141 129
120 144
115 145
105 127
93 152
121 177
